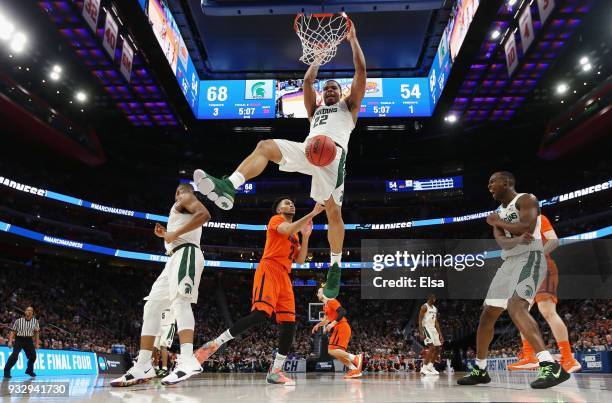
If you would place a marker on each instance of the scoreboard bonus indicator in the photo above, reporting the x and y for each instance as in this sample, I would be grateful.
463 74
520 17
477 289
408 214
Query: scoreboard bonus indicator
236 99
420 185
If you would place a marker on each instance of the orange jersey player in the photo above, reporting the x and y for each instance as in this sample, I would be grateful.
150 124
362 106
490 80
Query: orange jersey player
546 298
272 288
336 324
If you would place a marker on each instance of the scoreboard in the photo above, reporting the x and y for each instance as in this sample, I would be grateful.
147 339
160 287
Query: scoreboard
248 188
419 185
384 97
236 99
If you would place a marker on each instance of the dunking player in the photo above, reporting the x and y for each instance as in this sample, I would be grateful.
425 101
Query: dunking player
272 288
176 288
336 324
516 227
335 118
429 330
163 341
546 298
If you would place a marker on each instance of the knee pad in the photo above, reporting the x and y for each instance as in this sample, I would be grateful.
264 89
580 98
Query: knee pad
181 309
151 317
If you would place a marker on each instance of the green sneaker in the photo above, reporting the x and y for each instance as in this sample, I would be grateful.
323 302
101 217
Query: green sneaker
551 374
475 377
221 191
332 285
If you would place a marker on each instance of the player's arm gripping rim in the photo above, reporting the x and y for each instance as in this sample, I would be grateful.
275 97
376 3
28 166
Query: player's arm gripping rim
358 85
422 313
310 95
305 231
187 202
287 228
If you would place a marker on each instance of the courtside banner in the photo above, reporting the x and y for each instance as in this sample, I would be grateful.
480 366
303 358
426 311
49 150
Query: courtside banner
112 363
295 365
53 362
41 192
600 361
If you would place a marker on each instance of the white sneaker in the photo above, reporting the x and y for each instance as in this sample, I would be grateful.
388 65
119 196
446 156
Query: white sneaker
425 370
432 370
185 369
135 375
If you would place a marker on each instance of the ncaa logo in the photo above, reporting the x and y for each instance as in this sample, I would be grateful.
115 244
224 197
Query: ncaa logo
102 363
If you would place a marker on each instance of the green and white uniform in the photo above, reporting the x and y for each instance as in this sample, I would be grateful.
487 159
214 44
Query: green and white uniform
336 122
524 266
168 329
182 272
429 326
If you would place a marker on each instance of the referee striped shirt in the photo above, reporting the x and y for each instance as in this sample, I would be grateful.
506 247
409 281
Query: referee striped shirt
25 328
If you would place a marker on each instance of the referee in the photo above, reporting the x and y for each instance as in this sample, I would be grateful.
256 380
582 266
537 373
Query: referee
27 330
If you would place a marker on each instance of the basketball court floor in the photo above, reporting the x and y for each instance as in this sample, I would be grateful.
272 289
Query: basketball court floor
226 388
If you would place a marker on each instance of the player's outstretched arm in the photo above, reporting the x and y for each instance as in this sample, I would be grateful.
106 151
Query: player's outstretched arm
292 228
359 79
310 95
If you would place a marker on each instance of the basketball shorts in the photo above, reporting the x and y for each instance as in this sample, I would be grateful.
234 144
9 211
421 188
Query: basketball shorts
340 336
521 274
548 289
326 182
273 292
431 336
166 337
180 277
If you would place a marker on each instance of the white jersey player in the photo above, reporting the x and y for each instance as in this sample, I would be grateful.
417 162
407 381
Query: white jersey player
335 118
429 330
175 289
516 228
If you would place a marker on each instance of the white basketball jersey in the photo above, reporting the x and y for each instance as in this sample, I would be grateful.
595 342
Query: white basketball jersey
335 121
512 215
166 318
175 221
429 320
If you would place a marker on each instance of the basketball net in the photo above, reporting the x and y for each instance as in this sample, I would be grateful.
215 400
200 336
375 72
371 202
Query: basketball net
320 35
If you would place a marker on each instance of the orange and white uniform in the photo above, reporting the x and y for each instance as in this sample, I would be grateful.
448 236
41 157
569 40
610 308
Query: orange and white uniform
272 288
341 333
548 289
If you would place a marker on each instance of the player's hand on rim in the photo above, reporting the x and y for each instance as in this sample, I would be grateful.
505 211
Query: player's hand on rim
352 33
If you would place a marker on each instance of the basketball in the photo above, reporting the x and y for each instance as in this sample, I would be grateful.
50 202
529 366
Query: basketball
320 150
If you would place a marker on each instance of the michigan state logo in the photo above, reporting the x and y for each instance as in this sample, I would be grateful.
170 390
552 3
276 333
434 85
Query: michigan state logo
528 291
187 288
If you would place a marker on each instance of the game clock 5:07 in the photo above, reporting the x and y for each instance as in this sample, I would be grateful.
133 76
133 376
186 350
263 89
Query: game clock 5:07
396 97
236 99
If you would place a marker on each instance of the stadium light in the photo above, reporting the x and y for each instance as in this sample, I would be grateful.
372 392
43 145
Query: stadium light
6 28
584 60
81 96
511 2
495 34
587 67
56 73
562 88
450 118
18 42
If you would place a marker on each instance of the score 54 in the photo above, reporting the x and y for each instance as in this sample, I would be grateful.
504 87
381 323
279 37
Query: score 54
406 92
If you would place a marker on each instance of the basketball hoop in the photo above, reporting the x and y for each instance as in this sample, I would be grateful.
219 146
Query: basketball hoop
320 35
